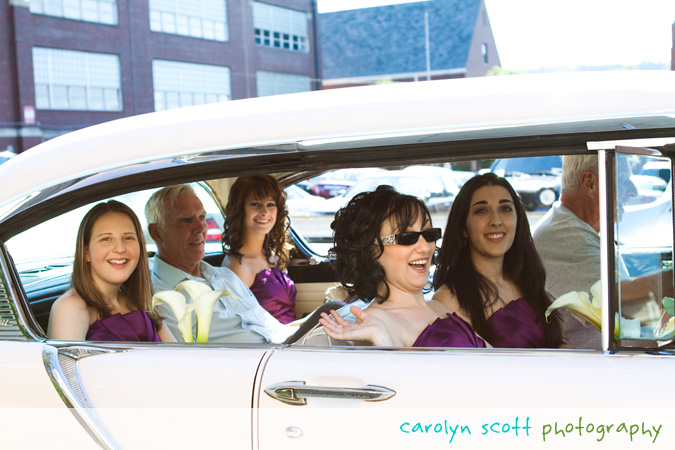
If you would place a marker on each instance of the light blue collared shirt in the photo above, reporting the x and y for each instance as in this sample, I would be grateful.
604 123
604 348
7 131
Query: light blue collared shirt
243 321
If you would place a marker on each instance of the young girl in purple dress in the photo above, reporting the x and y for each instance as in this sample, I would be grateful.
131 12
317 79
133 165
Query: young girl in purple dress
254 243
384 247
111 288
488 270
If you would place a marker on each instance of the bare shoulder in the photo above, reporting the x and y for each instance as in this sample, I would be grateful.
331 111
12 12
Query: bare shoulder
70 302
70 317
241 270
447 298
438 307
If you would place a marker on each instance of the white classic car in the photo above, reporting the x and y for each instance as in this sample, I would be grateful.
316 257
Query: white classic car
274 396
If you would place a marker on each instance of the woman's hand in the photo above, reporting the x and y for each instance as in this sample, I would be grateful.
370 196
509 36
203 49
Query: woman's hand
366 328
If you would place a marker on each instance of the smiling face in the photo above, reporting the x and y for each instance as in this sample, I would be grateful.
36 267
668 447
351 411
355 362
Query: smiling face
260 215
491 223
113 250
180 239
406 267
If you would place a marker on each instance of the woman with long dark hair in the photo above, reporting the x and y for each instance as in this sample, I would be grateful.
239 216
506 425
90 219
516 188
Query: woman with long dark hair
384 245
111 290
488 270
255 244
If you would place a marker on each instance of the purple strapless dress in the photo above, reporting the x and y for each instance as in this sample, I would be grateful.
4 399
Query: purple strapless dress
451 331
517 325
133 326
276 293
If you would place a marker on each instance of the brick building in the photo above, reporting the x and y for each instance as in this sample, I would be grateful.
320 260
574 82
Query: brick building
434 39
67 64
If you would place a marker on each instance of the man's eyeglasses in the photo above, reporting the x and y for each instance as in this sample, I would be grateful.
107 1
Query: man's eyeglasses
409 237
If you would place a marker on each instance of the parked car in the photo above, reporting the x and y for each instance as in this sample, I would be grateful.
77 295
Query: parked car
82 394
537 180
456 177
336 182
437 190
301 203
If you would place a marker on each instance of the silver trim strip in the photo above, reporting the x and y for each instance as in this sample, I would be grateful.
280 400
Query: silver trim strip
18 316
606 163
296 393
61 366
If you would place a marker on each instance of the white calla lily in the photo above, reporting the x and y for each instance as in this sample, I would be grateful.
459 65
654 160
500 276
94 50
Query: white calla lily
666 326
204 310
193 288
576 303
582 306
204 299
180 308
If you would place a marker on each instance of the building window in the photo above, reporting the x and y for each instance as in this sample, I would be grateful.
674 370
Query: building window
72 80
203 19
280 27
178 84
99 11
274 83
484 52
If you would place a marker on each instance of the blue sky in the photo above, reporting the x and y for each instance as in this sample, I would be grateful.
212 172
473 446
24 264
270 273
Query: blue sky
532 34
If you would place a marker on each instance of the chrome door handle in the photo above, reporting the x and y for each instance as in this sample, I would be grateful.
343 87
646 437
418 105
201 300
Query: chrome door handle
296 393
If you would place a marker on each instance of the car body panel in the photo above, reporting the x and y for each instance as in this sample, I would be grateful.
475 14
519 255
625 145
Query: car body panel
474 388
29 397
154 382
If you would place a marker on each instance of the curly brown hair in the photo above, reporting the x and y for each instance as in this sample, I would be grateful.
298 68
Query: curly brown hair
256 187
355 228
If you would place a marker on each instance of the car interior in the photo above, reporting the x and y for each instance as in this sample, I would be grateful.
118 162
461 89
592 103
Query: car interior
44 264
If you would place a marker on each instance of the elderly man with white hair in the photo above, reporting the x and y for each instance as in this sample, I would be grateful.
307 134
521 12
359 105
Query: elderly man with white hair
177 223
568 241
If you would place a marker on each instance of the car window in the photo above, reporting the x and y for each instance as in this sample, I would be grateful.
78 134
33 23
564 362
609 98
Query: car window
47 250
644 254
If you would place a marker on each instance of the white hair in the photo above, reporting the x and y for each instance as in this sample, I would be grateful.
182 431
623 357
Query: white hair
572 167
155 207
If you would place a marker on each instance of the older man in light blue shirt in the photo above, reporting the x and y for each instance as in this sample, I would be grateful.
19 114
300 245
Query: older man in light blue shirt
177 223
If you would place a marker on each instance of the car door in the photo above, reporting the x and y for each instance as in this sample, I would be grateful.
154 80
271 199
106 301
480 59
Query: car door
112 393
169 396
472 398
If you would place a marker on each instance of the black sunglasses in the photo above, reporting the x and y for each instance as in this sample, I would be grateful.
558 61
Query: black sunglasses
409 237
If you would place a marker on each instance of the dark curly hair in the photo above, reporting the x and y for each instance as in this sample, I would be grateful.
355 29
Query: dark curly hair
256 187
355 228
522 265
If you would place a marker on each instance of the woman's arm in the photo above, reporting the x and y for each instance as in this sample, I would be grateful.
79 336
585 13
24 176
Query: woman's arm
367 328
69 318
165 334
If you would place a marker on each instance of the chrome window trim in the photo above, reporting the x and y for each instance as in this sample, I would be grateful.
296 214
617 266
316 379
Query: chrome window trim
607 261
12 306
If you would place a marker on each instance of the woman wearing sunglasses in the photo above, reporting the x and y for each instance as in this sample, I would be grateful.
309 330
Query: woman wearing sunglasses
489 272
384 244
